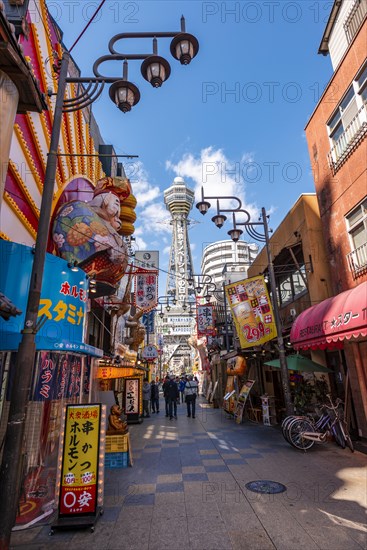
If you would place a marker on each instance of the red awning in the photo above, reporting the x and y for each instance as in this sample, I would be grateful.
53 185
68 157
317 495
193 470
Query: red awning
327 324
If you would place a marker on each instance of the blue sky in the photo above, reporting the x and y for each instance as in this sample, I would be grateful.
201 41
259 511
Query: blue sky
233 119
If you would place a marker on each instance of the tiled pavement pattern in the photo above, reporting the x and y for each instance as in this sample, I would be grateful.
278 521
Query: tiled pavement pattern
187 490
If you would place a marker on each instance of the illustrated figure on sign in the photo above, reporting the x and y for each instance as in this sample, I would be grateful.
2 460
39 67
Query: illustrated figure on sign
91 233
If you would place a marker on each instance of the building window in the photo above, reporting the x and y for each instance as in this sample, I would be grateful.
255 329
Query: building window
348 124
357 228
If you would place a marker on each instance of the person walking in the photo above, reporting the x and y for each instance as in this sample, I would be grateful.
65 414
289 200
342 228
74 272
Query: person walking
146 398
172 396
181 388
165 394
191 390
154 397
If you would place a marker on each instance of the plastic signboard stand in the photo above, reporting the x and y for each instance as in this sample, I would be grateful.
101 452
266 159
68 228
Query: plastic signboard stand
86 421
77 522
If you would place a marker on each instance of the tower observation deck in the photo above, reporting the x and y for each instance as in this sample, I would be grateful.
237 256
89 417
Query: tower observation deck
179 200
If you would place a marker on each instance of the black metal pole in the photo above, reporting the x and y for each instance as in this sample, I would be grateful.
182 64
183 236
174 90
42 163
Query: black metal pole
10 472
283 361
225 316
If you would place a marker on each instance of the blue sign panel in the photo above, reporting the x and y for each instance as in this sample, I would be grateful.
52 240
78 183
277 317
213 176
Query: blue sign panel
63 301
148 322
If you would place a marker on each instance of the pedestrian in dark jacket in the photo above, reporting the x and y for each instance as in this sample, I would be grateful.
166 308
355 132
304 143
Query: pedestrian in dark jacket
165 395
181 387
172 396
154 398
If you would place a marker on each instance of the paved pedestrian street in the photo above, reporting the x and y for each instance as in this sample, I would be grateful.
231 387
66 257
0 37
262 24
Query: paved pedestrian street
187 489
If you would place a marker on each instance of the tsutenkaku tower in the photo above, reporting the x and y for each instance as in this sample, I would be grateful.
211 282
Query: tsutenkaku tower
179 200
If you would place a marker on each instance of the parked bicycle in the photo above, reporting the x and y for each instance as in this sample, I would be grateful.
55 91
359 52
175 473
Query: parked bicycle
303 431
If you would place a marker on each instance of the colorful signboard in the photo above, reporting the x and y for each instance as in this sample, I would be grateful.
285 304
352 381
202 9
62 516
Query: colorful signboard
147 259
148 321
150 353
80 460
63 303
251 311
205 320
59 376
146 290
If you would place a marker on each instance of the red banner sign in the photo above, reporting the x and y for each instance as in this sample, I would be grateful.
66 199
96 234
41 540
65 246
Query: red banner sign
146 290
205 320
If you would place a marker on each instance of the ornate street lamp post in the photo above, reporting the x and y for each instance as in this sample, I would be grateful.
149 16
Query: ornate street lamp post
235 233
156 70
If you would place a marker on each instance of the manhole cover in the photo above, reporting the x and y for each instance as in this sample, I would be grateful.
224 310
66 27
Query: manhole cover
265 486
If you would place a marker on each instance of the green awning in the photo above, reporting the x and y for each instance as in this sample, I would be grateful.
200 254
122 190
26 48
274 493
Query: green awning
300 363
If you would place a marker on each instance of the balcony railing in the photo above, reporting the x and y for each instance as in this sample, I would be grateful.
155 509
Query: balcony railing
350 138
357 259
355 19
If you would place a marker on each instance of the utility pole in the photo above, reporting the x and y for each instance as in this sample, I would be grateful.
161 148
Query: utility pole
11 466
282 359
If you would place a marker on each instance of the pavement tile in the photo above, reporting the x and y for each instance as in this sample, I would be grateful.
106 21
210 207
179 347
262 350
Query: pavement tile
150 450
99 540
208 452
110 514
169 487
212 462
139 500
169 498
251 455
209 540
216 468
195 477
250 540
171 478
193 470
143 489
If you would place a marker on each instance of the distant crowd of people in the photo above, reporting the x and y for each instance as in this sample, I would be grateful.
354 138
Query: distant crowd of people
175 390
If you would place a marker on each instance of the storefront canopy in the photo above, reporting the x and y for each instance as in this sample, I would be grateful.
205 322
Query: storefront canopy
299 363
326 325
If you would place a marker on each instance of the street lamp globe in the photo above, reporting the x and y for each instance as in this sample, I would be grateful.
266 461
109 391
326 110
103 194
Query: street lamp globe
184 47
124 94
156 70
235 234
203 207
219 220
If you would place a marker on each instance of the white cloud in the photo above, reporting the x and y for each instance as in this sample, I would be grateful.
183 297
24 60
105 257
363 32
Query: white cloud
142 189
218 175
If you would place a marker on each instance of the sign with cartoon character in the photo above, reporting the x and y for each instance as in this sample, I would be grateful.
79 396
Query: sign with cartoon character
91 233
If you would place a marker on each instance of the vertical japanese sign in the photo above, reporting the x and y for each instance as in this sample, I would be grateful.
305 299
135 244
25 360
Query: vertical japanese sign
205 320
145 296
251 311
79 472
132 400
148 322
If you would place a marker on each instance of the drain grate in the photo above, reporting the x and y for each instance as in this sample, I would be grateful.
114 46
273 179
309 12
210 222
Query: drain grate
265 486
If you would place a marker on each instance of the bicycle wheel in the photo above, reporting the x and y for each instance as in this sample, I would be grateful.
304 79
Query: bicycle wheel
346 436
338 434
349 442
286 422
295 431
285 425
